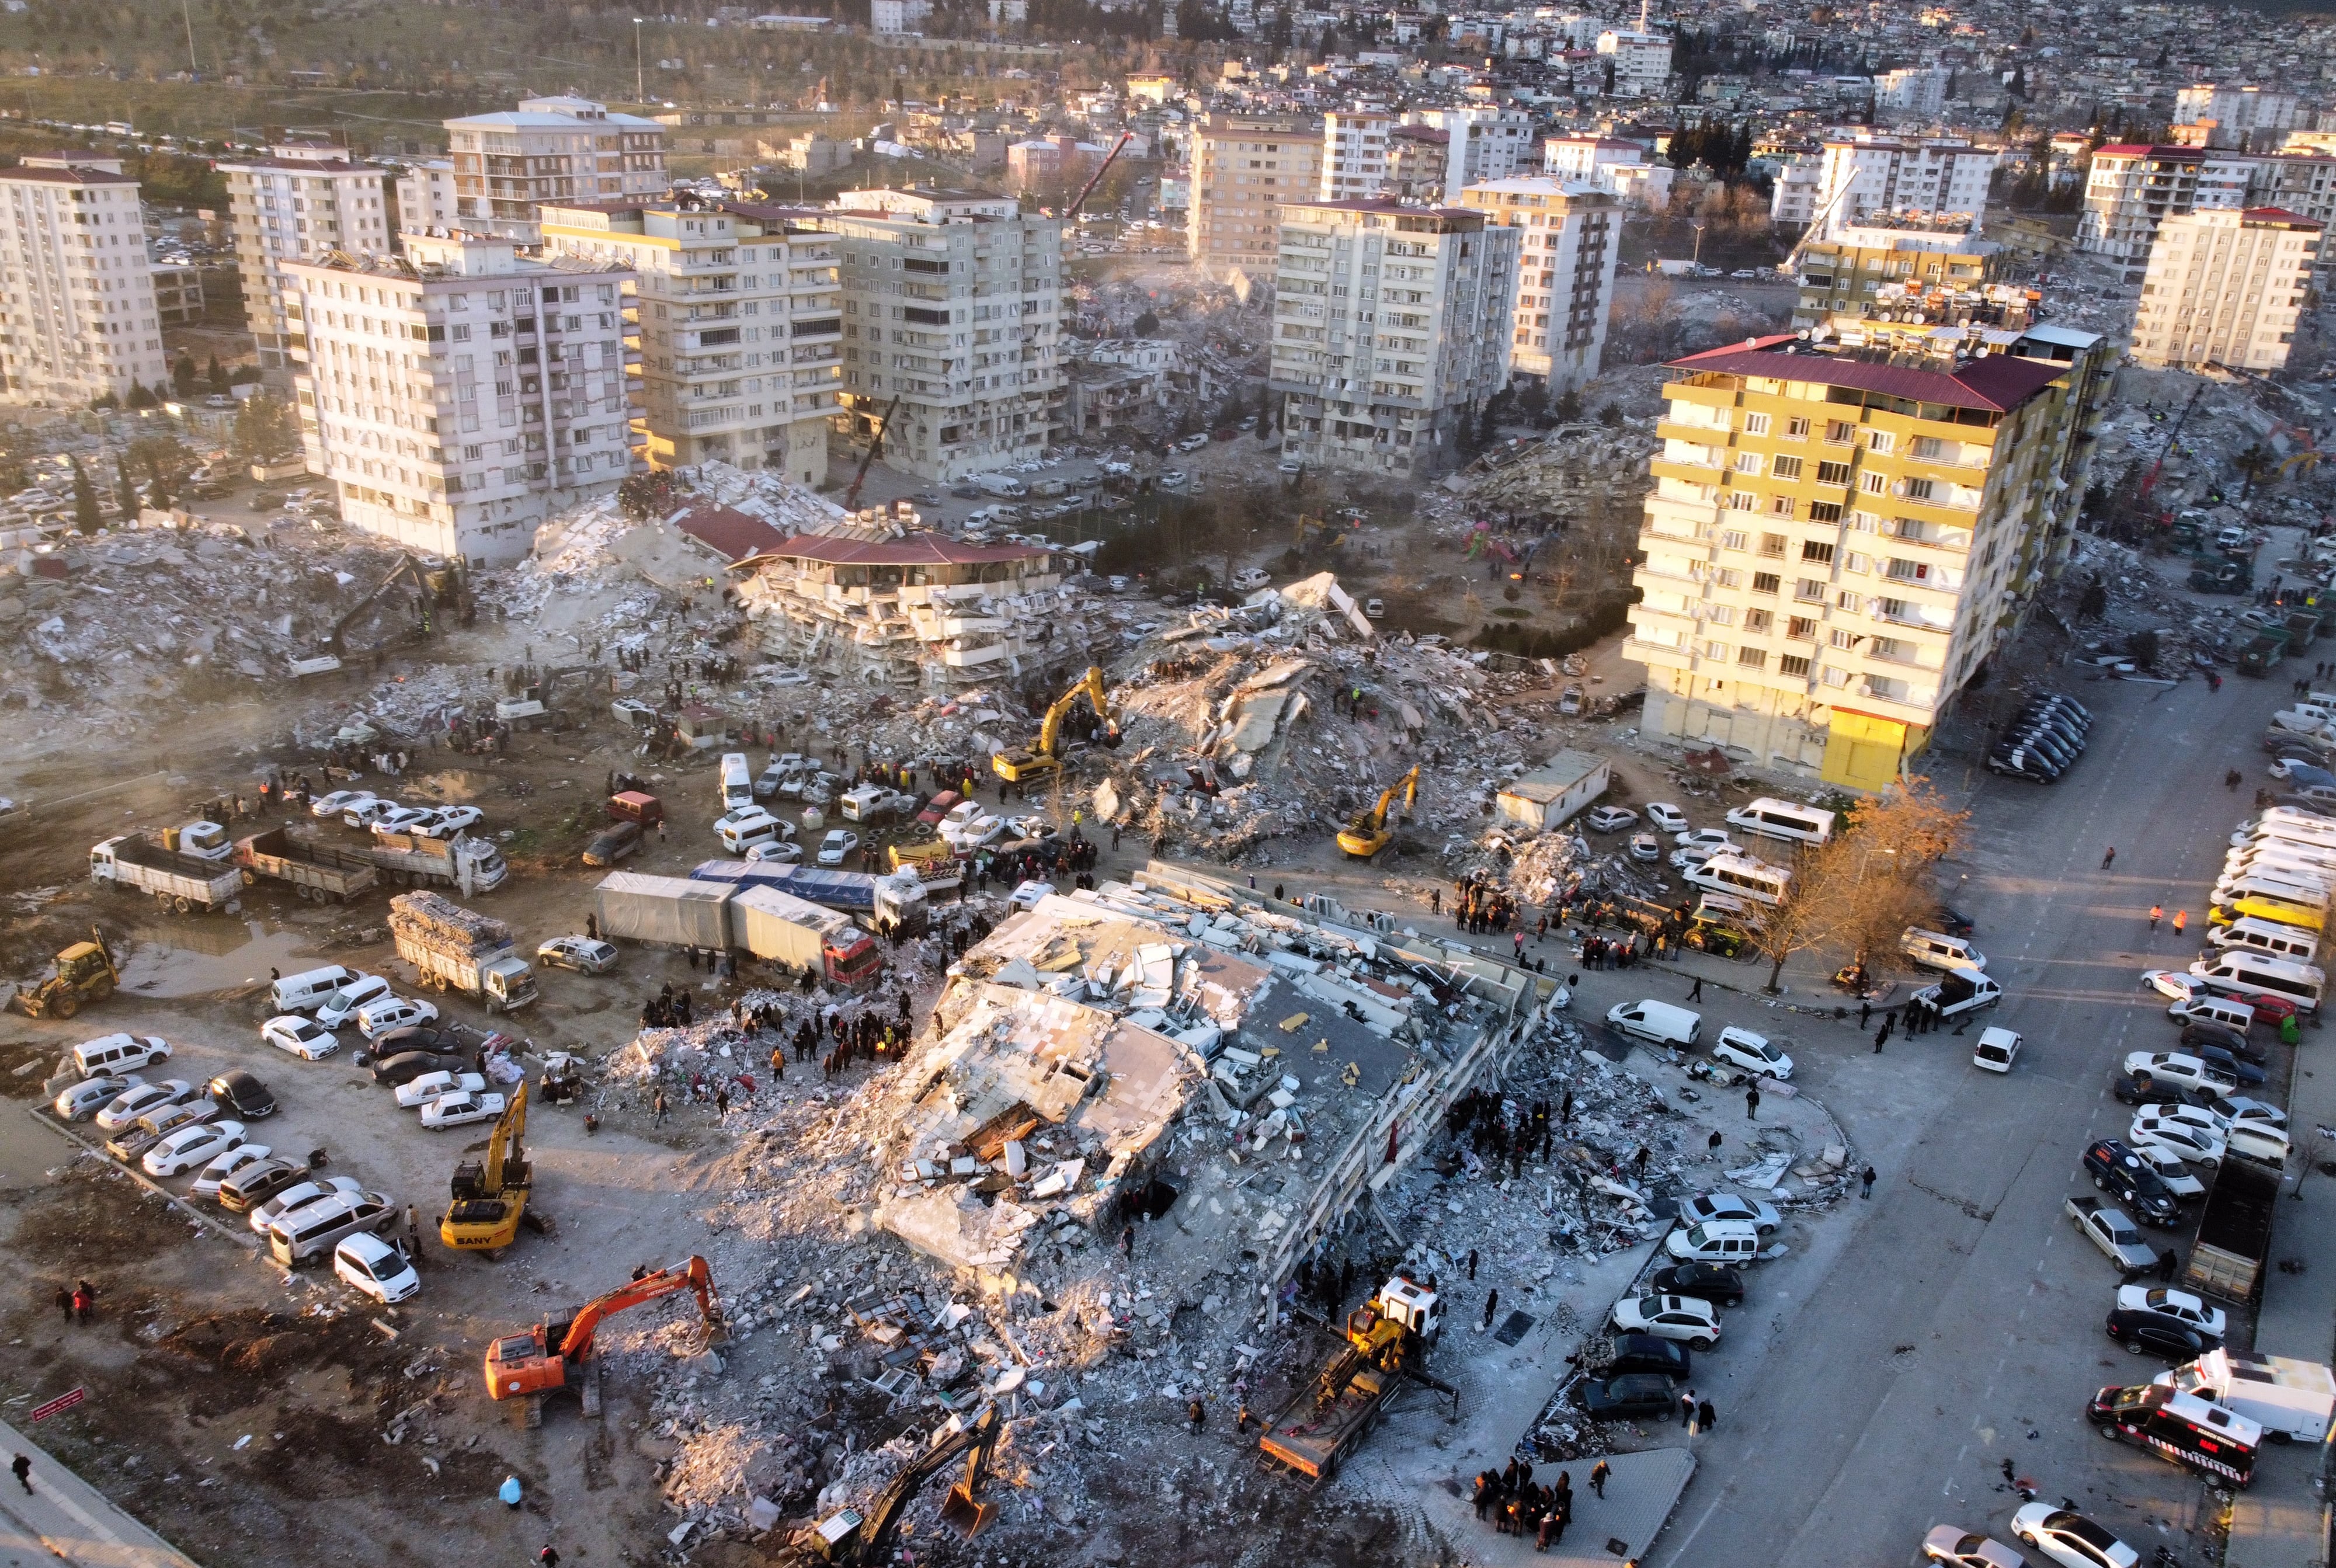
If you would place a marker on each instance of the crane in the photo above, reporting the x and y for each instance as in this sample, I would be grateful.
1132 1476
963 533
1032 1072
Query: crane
2149 481
1043 756
490 1196
847 1538
1368 833
1071 213
558 1353
407 570
875 446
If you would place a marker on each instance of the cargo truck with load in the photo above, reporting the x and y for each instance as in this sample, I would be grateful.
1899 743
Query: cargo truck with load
457 949
688 912
2267 650
412 861
2290 1400
317 872
134 860
1386 1340
895 900
2226 1257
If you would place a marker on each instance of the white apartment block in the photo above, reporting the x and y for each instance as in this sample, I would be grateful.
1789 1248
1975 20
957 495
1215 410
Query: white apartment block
1568 235
952 307
895 18
2133 188
741 325
1878 174
548 149
1919 93
426 196
1643 61
78 320
1486 143
2238 113
1355 153
1795 198
457 396
2225 288
1244 166
1391 326
1613 163
302 200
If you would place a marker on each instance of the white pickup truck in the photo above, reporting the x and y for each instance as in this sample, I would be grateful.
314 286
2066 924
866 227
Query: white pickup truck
2114 1234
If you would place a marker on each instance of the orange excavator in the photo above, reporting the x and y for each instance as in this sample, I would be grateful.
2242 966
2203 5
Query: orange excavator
559 1353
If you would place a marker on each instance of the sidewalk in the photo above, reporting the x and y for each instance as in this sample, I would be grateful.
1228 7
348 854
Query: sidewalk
1610 1530
69 1521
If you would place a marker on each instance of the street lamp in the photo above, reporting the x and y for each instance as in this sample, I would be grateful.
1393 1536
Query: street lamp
1698 243
640 88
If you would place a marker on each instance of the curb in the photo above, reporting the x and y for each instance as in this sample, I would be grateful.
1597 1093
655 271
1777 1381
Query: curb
143 1179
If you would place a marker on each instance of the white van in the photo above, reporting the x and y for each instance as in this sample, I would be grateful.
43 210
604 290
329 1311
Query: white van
2236 971
2296 888
298 993
1660 1022
744 830
737 782
2267 937
2288 835
1783 820
308 1233
1938 951
2208 1007
2293 819
1743 877
116 1054
1996 1051
2279 855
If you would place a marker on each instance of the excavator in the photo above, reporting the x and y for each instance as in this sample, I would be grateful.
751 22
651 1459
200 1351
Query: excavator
85 973
490 1196
431 586
849 1539
1043 757
1368 833
559 1354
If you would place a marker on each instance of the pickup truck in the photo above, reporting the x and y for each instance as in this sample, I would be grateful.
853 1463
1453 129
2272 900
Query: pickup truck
2113 1234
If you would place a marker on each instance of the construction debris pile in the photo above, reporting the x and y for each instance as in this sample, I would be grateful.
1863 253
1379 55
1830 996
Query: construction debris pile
1561 471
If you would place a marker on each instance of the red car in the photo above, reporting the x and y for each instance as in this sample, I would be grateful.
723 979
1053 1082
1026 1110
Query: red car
2271 1010
939 807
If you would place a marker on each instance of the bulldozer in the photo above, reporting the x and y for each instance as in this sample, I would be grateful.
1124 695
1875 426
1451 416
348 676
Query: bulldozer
1043 757
85 973
490 1196
1369 830
559 1353
848 1539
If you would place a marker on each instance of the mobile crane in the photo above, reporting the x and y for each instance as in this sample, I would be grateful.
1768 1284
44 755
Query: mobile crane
1043 756
1387 1341
489 1197
1368 833
559 1353
1071 213
875 446
848 1538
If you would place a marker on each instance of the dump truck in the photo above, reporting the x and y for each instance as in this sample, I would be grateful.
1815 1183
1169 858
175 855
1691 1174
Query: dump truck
2118 1237
2226 1257
413 861
2292 1400
776 925
2267 650
1387 1341
317 872
457 949
176 882
85 973
894 897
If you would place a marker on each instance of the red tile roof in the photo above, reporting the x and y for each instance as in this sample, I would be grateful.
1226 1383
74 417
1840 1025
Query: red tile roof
2277 215
916 549
1998 383
734 535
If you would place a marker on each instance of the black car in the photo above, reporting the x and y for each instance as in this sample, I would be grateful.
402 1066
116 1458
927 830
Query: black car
1631 1394
2053 714
417 1038
1721 1287
238 1094
2152 1333
612 843
2117 1169
1952 923
2063 701
2052 743
2207 1032
1642 1353
2141 1089
408 1065
2048 724
2020 762
2247 1073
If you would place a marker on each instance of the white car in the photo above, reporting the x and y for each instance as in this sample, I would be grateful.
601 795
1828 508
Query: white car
375 1268
224 1164
1251 578
464 1105
585 955
299 1194
785 852
2240 1108
354 992
974 831
837 846
447 821
1607 819
303 1037
2179 1305
957 816
91 1095
376 1019
190 1147
1953 1546
402 820
1708 843
1688 1319
1997 1049
2180 1139
2070 1539
2171 983
367 810
1030 826
131 1103
1706 1207
1667 817
1026 896
325 807
1751 1052
1646 847
2179 1068
2171 1172
430 1086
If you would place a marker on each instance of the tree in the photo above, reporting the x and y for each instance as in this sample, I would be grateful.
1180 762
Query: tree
1147 325
85 515
1569 406
2252 463
215 376
125 494
263 428
1804 919
140 397
182 375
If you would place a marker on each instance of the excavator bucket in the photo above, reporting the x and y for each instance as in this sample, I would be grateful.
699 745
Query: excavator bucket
966 1515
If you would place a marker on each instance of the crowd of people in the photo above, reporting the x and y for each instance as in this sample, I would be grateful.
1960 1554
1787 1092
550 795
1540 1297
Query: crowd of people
1515 1503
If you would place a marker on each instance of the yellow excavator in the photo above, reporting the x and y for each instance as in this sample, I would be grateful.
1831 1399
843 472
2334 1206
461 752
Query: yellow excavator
1043 757
490 1196
1369 830
85 973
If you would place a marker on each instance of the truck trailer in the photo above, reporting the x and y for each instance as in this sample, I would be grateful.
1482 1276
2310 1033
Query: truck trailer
1387 1341
317 872
457 949
2226 1258
768 922
894 897
413 861
135 860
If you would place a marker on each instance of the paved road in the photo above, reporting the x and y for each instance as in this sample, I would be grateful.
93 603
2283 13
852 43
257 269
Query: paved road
64 1520
1959 1324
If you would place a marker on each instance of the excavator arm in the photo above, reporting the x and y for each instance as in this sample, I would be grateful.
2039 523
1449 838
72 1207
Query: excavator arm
694 1276
406 569
875 1537
1043 753
504 1145
875 446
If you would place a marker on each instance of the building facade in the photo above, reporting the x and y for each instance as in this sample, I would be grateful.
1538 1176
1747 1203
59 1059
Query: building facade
78 320
1840 276
1483 144
1918 94
177 295
1839 536
1857 179
1355 153
1244 166
1642 61
302 200
1569 234
2225 288
952 307
1391 327
548 149
2239 116
426 196
457 396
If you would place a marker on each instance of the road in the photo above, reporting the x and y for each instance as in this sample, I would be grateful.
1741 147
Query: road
1959 1324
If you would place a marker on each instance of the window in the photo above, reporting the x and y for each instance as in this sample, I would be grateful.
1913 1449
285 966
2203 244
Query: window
1796 429
1742 500
1710 651
1873 483
1755 425
1773 544
1766 582
1780 506
1748 463
1909 570
1817 549
1785 467
1729 577
1801 628
1844 639
1854 561
1793 663
1866 521
1834 675
1810 589
1752 657
1880 440
1732 540
1932 449
1824 511
1918 490
1760 622
1832 473
1840 430
1720 614
1848 602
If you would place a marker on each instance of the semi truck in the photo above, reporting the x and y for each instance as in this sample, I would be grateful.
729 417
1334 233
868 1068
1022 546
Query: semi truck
689 911
317 872
1387 1341
893 898
2226 1258
135 860
412 861
456 949
2290 1400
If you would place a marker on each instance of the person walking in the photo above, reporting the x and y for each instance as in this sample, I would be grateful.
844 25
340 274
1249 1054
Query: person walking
413 1232
2167 1265
657 1104
1687 1408
1472 1263
2181 919
548 1557
21 1467
1491 1304
1706 1419
1695 992
2109 859
1864 1013
1751 1105
1598 1476
1882 1035
2156 913
1865 1182
1196 1415
66 1305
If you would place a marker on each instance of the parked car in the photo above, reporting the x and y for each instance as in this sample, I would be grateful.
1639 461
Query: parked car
259 1182
2070 1539
91 1095
1629 1396
435 1085
2180 1305
1689 1319
1957 1547
1646 848
462 1106
133 1142
1721 1241
354 993
1751 1052
585 955
238 1094
1706 1207
376 1268
1719 1286
1666 817
2117 1169
2153 1334
378 1019
2179 1067
190 1148
613 843
325 807
224 1164
1638 1353
1607 819
408 1065
445 821
298 1194
2180 1139
837 846
131 1103
303 1037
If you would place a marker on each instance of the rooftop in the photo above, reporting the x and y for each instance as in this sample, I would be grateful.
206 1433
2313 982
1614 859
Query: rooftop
1995 384
75 176
915 550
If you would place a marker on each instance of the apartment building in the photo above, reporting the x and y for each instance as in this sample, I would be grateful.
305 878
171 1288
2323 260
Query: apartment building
1922 252
457 396
302 198
177 294
2131 187
77 314
2225 288
1482 144
1569 234
548 149
1793 202
1355 153
1391 326
1840 536
2239 116
1857 178
1619 165
1244 166
426 196
1642 61
1917 94
953 308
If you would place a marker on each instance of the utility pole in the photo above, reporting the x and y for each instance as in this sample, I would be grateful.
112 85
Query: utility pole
187 16
640 89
